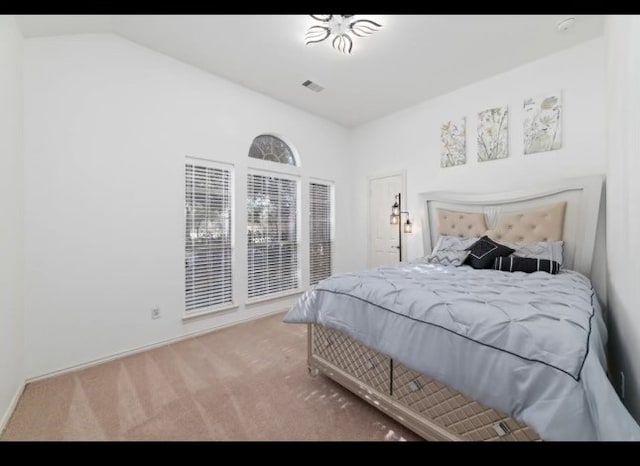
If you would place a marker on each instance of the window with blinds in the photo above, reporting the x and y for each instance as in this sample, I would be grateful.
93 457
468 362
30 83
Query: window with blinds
320 232
208 236
272 231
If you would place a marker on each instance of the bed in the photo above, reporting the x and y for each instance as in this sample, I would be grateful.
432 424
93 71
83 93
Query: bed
456 353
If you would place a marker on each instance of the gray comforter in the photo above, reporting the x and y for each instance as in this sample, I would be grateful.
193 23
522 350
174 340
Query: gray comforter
531 345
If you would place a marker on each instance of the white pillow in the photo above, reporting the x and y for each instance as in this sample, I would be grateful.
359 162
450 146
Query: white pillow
446 242
551 250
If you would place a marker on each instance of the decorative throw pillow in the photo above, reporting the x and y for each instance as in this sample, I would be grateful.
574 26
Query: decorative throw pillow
455 243
525 264
449 257
549 250
484 251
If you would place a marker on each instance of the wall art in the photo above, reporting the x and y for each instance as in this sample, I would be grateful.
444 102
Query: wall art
453 148
543 123
493 135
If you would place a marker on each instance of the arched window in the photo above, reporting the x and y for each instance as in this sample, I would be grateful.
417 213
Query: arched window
267 147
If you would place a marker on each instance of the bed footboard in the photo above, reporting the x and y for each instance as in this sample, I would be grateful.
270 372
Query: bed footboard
429 408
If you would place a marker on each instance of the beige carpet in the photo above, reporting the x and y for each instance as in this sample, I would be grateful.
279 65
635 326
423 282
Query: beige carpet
247 382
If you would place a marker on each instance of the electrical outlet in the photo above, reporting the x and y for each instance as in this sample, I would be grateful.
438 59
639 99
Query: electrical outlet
622 385
155 313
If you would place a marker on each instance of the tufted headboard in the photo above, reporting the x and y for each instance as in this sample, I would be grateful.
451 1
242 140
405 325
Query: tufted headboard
576 202
545 223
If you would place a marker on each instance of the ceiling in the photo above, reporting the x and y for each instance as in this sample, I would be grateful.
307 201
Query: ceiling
411 59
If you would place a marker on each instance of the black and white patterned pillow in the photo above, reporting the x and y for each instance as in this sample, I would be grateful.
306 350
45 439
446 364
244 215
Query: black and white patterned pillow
525 264
449 257
484 251
550 250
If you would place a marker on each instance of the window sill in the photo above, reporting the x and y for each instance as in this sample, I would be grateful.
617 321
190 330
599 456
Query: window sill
271 297
212 310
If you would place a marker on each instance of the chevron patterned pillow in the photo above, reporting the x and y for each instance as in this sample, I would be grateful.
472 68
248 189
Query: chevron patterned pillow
451 257
453 242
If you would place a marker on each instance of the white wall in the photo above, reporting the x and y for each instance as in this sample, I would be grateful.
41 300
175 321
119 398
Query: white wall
623 194
11 212
107 126
410 140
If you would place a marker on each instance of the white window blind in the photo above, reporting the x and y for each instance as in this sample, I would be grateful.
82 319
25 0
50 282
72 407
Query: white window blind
272 230
320 226
208 236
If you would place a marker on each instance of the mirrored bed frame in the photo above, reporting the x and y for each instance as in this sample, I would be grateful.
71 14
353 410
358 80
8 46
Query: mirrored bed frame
422 404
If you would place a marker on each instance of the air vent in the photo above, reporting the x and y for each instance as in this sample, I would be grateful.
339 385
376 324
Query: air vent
313 86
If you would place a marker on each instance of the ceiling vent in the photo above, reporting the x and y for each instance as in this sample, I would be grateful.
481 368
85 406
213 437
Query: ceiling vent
313 86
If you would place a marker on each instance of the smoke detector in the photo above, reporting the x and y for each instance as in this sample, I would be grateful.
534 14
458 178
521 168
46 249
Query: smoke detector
565 24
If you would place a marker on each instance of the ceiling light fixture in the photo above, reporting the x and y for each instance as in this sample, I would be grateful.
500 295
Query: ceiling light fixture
341 28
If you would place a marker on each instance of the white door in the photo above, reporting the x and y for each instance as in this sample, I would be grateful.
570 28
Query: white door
383 236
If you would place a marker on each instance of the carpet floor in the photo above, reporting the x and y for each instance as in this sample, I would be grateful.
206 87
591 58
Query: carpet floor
247 382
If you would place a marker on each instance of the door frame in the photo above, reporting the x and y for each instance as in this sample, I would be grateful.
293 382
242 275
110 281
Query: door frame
403 175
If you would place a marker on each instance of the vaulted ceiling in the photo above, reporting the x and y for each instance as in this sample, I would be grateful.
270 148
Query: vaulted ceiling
411 59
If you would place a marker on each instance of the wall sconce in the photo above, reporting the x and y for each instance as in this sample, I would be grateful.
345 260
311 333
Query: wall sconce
396 219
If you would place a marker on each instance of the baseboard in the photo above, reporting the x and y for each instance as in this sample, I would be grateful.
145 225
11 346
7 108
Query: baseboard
11 408
148 347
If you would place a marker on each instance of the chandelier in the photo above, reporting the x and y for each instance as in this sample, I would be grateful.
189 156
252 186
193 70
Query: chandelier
341 28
